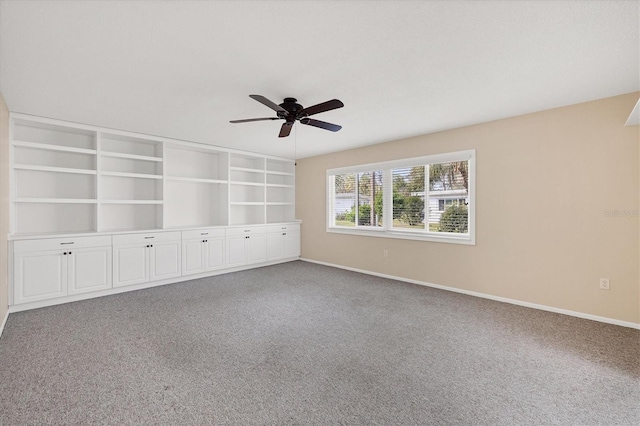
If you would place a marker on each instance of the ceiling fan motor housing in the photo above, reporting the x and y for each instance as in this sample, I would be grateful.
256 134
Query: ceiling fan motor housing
292 106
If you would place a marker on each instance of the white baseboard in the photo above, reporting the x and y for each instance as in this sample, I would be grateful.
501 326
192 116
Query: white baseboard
485 296
4 321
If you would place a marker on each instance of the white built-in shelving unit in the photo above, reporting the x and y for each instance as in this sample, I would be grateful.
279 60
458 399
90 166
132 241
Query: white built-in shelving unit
246 189
129 183
54 175
196 177
73 178
280 191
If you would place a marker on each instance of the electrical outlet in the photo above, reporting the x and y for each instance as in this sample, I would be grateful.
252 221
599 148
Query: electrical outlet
604 283
385 253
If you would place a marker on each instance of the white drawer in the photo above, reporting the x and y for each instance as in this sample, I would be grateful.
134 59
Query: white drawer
146 237
197 234
290 227
60 243
246 230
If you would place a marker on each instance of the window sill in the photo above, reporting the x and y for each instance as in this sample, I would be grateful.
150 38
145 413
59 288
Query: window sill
467 239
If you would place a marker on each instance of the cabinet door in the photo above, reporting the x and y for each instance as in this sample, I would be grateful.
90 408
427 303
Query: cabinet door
291 244
236 250
214 253
257 248
165 260
40 276
130 265
89 269
193 257
275 245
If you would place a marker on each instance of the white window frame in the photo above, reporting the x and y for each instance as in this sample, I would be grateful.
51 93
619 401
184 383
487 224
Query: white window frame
387 230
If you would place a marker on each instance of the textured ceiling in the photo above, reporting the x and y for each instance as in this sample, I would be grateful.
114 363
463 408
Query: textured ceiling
184 69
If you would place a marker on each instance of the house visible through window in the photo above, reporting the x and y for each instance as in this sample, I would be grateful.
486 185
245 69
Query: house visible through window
418 198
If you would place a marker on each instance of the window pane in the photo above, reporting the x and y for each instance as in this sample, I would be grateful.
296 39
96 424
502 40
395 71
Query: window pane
344 199
408 197
449 197
370 198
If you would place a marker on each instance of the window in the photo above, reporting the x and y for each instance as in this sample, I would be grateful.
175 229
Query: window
429 198
362 189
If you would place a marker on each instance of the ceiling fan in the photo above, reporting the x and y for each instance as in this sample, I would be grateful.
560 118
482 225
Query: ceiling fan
290 111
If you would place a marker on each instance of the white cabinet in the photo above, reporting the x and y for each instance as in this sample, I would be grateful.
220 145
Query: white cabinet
50 268
140 258
202 250
283 241
246 245
89 269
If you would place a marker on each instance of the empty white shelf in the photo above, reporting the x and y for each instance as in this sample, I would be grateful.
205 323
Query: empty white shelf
53 169
131 201
188 179
246 169
236 182
56 200
130 156
132 175
51 147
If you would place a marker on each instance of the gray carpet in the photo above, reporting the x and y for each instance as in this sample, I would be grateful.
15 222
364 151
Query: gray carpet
300 343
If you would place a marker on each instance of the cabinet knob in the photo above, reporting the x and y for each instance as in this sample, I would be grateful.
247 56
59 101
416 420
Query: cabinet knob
284 233
64 254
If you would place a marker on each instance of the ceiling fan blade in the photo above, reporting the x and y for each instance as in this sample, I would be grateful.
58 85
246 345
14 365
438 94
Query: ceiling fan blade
246 120
285 129
321 124
270 104
325 106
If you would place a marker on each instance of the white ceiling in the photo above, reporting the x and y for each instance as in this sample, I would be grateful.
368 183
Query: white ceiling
184 69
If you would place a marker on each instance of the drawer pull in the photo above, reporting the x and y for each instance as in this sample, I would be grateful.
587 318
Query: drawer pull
66 243
247 230
146 238
204 233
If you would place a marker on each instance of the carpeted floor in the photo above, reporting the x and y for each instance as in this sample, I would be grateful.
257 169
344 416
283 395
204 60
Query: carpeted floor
300 343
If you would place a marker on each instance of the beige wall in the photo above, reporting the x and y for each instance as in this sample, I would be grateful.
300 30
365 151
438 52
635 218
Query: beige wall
544 181
4 205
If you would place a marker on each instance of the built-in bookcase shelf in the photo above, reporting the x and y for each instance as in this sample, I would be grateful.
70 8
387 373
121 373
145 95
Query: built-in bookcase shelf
196 186
280 191
74 178
48 147
53 177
